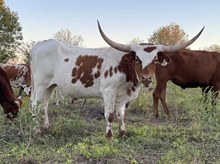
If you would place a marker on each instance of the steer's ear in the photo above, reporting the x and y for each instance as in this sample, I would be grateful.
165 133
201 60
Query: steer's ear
128 58
162 59
18 102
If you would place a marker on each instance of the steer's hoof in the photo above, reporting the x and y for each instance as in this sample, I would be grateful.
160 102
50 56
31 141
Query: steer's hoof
47 125
109 135
123 135
169 118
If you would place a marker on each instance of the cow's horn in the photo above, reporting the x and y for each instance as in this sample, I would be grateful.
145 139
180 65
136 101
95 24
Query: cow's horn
118 46
182 45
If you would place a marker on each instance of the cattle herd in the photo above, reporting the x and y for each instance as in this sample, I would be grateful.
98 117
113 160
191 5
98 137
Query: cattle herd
115 74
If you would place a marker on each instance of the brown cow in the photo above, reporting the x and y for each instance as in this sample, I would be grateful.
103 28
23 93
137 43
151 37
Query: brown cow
187 69
8 101
19 76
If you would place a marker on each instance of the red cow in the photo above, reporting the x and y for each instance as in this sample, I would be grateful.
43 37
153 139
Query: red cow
187 69
8 101
19 76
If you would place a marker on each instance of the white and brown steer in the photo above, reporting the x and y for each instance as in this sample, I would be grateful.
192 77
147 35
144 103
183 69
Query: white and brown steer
19 76
113 74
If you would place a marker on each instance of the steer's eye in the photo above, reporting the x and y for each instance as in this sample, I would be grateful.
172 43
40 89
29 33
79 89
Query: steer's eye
137 60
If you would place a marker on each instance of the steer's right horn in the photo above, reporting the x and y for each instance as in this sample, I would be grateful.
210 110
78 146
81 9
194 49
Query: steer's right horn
182 45
118 46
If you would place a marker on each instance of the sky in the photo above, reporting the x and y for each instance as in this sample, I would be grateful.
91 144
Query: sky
121 20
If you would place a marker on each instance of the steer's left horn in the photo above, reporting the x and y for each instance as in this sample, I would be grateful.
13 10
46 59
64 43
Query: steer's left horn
118 46
182 45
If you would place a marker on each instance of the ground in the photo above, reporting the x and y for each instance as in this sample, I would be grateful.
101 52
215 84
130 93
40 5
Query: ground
77 133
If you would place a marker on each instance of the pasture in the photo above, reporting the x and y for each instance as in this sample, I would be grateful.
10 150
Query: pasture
77 133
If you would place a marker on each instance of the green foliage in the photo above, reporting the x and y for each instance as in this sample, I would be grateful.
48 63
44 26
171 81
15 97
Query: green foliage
63 127
94 149
182 152
24 49
168 35
10 33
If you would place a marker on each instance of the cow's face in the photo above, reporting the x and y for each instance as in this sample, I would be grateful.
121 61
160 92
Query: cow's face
161 59
27 90
147 74
11 109
131 65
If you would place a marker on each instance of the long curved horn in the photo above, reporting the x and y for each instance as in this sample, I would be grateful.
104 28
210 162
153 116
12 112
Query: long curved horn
183 45
118 46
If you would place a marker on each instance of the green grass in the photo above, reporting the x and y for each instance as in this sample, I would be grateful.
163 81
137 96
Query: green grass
77 133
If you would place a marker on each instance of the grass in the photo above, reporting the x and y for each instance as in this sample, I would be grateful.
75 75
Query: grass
77 133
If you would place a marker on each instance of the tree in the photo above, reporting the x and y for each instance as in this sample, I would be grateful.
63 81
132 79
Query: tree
168 35
10 33
136 41
67 37
214 47
24 50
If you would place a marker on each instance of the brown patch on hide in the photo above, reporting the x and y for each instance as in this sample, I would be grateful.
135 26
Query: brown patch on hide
74 72
66 60
106 74
97 74
110 71
84 69
110 117
133 88
74 81
129 92
150 49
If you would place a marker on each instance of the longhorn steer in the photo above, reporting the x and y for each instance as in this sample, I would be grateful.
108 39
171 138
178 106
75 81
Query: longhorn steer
19 76
187 69
8 101
108 73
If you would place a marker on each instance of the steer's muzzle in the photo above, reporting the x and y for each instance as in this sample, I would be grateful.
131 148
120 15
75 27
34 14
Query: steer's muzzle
12 115
27 90
146 80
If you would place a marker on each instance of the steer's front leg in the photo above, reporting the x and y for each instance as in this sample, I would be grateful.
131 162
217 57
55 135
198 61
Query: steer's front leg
109 119
120 113
36 110
109 103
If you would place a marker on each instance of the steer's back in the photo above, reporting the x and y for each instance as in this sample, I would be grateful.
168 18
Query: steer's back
78 72
189 68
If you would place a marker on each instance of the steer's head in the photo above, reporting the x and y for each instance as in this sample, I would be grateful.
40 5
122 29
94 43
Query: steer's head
11 109
131 65
147 53
149 70
27 90
147 74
